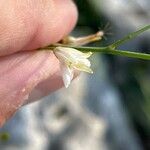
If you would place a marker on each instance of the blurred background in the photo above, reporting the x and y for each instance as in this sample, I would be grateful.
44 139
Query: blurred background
109 110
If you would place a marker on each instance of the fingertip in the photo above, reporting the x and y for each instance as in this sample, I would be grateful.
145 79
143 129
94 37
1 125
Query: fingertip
54 24
27 25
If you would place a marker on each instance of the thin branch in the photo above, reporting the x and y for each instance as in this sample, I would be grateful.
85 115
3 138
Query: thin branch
129 37
107 50
111 49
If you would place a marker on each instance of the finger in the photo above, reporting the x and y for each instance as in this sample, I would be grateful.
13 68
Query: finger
17 79
27 25
21 72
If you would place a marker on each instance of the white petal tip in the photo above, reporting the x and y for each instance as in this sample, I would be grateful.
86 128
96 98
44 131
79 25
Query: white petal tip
67 76
66 84
67 81
91 72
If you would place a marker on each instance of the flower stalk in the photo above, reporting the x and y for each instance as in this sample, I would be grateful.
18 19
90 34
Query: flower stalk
110 49
73 56
129 37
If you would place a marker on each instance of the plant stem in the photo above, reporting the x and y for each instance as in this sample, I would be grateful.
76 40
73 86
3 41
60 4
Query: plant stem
129 37
129 54
111 49
107 50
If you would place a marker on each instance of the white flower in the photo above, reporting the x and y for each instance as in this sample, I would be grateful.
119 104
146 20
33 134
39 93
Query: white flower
72 59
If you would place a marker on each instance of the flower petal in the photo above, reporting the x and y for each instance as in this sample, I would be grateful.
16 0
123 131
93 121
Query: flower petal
82 67
87 55
72 53
64 56
67 75
85 62
78 54
72 59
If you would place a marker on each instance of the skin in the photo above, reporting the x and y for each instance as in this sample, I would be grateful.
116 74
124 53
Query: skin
25 73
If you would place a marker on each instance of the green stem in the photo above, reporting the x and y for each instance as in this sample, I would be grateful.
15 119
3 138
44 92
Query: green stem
111 49
108 50
129 37
129 54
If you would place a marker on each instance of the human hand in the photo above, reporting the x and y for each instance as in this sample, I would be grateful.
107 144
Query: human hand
25 25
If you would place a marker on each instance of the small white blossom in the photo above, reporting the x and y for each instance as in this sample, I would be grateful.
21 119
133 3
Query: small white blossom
72 59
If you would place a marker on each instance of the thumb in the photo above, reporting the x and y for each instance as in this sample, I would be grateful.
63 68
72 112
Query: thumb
28 25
